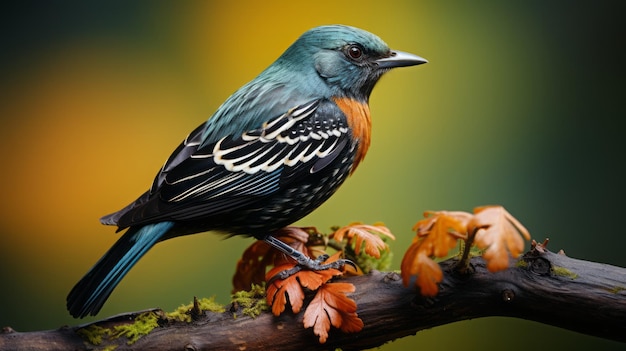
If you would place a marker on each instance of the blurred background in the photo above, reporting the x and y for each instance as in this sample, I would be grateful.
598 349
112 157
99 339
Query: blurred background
521 105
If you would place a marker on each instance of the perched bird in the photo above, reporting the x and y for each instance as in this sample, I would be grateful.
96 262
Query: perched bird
272 152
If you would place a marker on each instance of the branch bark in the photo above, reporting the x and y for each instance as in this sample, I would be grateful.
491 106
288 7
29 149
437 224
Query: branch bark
542 286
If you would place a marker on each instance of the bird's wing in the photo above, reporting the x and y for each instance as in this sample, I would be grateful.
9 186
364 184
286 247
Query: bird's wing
241 169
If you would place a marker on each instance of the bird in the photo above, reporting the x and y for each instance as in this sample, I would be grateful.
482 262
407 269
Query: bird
274 151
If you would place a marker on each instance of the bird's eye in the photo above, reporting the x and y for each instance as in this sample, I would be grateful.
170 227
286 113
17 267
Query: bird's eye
354 51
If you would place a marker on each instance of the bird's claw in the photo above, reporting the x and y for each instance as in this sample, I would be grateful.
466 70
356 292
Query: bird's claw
321 258
312 265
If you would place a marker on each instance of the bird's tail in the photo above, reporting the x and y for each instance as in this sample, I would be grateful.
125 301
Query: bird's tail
90 293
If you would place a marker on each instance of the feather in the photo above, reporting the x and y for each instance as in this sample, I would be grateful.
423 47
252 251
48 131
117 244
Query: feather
237 170
90 293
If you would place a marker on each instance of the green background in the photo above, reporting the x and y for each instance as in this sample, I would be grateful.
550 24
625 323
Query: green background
522 104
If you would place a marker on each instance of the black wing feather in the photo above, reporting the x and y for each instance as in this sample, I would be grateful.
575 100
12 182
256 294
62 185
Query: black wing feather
199 181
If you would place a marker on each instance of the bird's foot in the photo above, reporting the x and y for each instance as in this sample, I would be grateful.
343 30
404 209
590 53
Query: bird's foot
303 261
313 265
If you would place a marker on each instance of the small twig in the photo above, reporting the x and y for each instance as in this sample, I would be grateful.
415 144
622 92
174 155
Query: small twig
463 266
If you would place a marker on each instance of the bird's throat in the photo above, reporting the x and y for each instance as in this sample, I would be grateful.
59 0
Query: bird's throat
360 122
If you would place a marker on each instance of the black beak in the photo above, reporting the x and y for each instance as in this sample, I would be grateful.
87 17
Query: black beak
400 59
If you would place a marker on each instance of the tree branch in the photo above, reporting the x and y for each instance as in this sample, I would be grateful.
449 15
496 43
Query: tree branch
542 286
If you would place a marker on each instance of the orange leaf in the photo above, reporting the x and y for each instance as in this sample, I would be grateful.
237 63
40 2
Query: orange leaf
499 233
312 280
439 233
279 292
436 235
456 219
360 234
251 266
428 272
331 306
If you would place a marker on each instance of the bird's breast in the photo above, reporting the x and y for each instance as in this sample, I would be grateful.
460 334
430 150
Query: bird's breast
360 122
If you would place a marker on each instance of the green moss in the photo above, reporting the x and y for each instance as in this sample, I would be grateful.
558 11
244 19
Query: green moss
94 334
183 313
252 302
521 264
370 263
143 325
209 304
564 272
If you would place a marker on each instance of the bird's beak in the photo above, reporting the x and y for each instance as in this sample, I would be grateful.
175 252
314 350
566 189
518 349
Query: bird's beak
400 59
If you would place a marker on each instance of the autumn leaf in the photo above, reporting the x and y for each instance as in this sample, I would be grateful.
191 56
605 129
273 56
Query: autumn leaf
331 306
281 291
428 275
436 235
441 230
417 263
457 219
499 234
251 266
365 235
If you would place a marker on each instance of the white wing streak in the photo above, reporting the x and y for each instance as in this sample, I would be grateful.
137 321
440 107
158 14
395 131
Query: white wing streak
285 141
254 162
195 175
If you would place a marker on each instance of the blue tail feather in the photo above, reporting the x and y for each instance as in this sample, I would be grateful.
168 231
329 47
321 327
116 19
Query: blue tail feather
90 293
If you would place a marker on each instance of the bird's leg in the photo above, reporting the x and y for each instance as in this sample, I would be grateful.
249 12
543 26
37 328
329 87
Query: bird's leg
303 260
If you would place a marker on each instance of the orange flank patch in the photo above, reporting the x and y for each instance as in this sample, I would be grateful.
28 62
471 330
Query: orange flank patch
359 120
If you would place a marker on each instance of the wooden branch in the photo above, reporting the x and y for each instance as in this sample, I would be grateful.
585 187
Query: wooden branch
541 286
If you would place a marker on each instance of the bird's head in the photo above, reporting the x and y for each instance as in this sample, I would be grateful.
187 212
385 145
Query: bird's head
347 60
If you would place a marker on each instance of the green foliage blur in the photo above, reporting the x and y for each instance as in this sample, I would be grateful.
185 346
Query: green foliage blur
521 105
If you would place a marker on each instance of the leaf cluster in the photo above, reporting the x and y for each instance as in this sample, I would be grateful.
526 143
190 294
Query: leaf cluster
491 229
329 303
